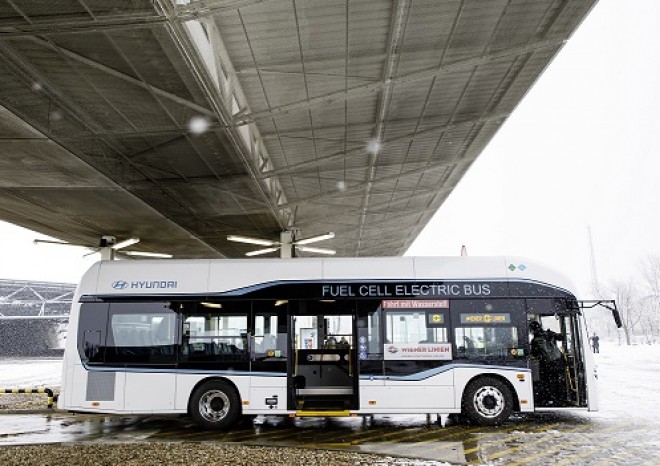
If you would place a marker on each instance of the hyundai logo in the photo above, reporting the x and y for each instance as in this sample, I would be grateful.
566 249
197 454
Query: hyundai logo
120 285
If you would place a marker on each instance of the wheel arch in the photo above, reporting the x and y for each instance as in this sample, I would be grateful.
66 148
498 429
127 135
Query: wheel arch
504 380
214 379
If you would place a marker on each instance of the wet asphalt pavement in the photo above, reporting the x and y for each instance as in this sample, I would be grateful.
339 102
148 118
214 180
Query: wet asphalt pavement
542 438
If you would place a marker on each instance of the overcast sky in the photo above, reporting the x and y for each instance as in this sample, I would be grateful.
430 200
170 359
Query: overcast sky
582 149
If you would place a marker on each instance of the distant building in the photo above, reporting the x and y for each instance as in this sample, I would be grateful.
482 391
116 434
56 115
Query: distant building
33 316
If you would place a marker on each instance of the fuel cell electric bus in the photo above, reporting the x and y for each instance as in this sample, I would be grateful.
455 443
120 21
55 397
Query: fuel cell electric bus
221 339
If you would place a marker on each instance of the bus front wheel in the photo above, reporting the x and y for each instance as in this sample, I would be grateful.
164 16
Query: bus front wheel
487 401
215 405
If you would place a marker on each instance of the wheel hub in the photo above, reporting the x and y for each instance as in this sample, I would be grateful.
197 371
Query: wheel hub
214 405
489 401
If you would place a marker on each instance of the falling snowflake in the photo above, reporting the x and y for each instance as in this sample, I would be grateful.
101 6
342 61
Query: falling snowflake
198 125
56 115
374 146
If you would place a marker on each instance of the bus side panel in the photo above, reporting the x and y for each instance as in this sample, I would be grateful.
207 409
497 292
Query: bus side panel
423 395
185 384
149 392
411 396
522 386
266 400
101 391
267 395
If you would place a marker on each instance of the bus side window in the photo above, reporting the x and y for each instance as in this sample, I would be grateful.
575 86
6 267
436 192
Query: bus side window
270 331
369 345
492 341
215 332
141 333
91 332
414 326
92 345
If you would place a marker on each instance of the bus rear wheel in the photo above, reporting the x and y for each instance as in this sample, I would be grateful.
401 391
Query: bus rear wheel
215 405
487 401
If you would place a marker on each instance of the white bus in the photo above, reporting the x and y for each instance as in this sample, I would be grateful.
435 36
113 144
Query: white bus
220 339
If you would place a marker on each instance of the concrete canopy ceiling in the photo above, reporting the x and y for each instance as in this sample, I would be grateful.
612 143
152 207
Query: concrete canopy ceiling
184 122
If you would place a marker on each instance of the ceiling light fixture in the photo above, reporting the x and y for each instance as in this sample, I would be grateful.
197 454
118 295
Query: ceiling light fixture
259 252
159 255
108 248
327 252
126 243
211 305
285 245
314 239
248 240
60 243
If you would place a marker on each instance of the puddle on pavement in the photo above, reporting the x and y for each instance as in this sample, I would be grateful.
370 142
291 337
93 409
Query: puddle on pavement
407 436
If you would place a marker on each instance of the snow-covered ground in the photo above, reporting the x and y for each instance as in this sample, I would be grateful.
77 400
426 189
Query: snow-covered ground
30 373
629 377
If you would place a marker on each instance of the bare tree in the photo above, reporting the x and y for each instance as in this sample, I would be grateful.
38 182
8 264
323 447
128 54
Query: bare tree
650 270
627 300
650 301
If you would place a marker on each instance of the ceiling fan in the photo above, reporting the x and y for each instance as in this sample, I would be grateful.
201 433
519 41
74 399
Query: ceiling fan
108 247
287 244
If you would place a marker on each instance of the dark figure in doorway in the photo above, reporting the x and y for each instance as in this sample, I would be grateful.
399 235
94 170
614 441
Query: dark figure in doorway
551 364
595 343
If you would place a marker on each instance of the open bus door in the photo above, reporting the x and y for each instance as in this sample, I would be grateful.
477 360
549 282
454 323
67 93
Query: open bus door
569 379
323 370
590 363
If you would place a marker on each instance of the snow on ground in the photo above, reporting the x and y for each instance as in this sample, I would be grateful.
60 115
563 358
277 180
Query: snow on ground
28 373
629 377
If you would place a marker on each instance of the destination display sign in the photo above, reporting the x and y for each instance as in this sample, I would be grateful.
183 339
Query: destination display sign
415 304
492 318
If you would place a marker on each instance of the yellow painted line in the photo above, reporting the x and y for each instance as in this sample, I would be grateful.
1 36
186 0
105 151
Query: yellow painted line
512 436
507 451
394 432
276 433
459 433
390 434
371 432
485 430
432 442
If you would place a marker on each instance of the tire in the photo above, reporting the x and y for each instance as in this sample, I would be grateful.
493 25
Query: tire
487 401
215 405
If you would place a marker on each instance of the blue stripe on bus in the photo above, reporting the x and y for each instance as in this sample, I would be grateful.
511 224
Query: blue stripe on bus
423 375
153 370
438 370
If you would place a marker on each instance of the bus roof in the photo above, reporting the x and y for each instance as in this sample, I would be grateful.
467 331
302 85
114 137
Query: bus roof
146 277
